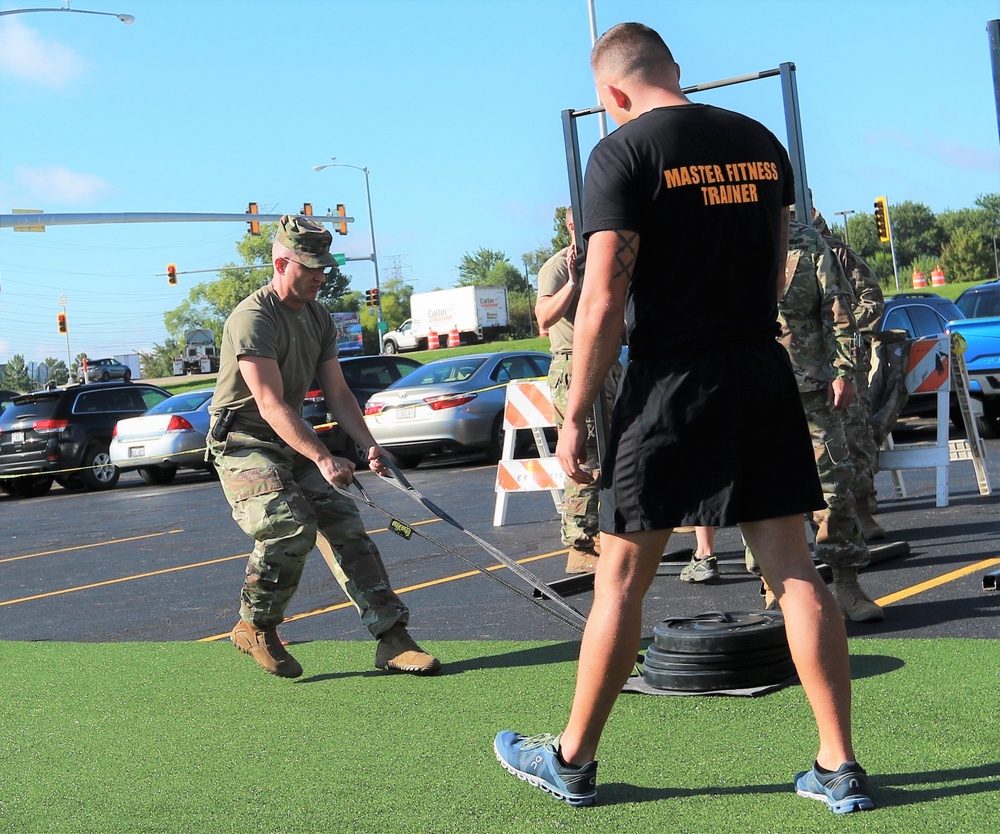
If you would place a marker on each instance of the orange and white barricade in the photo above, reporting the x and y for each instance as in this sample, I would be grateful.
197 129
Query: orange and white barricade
928 370
528 406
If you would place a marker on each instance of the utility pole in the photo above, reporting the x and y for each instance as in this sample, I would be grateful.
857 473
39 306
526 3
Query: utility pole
846 213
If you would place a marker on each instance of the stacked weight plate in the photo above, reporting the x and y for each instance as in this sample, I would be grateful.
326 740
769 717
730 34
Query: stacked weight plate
719 650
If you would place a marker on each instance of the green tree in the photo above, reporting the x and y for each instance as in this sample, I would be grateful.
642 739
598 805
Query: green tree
561 239
15 375
159 362
58 373
966 256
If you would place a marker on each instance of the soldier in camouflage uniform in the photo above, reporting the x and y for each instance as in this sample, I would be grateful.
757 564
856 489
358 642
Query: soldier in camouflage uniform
819 332
558 292
278 476
868 308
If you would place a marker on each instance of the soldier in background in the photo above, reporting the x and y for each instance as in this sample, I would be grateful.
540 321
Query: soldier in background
555 309
869 304
820 334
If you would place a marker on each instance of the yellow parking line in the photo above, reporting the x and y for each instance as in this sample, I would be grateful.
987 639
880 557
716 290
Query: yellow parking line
934 583
400 591
86 546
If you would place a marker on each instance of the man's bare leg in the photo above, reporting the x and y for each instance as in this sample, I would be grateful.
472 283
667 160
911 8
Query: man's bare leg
815 629
625 571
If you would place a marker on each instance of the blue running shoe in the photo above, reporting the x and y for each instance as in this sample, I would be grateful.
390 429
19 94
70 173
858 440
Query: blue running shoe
534 759
845 790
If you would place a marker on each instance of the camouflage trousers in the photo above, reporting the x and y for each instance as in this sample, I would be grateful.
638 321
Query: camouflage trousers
579 504
280 499
861 440
838 537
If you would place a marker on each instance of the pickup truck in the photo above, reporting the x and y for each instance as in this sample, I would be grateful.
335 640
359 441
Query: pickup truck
926 314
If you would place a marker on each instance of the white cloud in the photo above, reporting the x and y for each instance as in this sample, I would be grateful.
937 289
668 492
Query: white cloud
24 54
59 185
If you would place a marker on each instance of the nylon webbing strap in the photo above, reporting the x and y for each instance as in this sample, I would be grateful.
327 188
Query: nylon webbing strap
558 607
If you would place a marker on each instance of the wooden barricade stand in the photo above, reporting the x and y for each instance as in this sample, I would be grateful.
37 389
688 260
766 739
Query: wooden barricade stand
933 363
528 406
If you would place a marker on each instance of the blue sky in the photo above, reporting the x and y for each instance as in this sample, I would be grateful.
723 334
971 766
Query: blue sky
453 105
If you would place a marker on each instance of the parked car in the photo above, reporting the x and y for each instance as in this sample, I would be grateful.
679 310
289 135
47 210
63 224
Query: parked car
6 399
923 314
365 376
980 302
450 405
168 437
104 370
64 434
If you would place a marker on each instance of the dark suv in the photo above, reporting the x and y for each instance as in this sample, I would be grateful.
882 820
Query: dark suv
980 302
365 376
63 435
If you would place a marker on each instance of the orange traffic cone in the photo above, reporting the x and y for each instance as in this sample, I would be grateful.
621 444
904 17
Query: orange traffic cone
433 341
919 279
454 340
937 277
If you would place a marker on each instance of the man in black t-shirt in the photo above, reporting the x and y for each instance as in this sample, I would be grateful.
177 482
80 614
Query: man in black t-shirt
685 212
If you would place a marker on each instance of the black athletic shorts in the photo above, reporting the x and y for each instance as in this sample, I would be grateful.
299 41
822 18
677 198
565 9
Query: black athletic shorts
708 437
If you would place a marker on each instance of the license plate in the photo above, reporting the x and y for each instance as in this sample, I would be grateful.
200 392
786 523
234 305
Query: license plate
406 413
17 437
137 451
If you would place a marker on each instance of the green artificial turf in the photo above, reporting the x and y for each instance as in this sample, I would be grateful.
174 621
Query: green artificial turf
193 737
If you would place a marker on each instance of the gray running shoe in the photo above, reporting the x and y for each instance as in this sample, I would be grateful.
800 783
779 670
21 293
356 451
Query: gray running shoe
701 570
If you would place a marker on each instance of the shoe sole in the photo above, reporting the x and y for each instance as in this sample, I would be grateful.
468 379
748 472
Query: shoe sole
432 669
278 673
577 800
847 805
695 579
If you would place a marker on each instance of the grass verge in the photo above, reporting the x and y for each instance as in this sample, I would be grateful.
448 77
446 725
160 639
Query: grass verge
193 737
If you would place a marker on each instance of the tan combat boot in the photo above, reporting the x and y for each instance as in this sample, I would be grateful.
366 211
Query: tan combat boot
581 561
264 646
398 652
854 602
870 528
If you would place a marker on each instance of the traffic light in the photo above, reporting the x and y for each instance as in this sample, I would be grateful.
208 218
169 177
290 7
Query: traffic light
375 297
307 209
368 297
882 219
253 225
61 318
342 226
172 274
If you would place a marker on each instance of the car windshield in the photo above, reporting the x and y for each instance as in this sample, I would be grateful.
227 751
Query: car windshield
442 372
181 403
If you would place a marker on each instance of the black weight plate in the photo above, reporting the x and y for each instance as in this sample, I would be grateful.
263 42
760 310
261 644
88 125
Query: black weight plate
745 630
708 681
741 660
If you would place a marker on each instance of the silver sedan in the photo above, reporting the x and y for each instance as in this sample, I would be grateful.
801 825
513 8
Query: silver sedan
450 405
168 437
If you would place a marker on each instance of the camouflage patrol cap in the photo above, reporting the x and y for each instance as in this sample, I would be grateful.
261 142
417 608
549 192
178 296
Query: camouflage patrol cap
307 239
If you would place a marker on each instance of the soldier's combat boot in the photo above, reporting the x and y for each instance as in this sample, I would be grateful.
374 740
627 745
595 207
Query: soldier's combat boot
581 561
398 652
870 528
264 646
854 602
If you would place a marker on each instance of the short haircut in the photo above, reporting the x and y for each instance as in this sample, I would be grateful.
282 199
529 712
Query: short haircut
631 49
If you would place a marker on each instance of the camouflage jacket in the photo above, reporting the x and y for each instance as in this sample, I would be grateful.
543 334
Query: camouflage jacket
869 300
815 312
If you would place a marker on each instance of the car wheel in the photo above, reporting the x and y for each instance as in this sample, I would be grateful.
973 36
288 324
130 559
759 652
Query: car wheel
389 347
98 472
989 426
495 448
408 461
357 454
127 376
69 481
157 475
105 377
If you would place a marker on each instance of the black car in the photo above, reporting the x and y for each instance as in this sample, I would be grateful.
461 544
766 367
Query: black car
63 435
365 376
980 302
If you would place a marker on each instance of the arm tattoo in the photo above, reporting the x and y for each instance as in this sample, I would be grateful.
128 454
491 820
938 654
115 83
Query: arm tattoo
625 255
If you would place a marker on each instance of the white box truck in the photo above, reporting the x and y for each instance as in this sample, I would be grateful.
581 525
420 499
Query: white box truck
477 313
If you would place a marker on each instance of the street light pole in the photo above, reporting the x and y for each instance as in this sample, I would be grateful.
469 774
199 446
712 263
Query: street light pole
127 19
846 213
371 226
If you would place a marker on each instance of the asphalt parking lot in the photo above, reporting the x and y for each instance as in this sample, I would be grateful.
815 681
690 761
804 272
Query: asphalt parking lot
144 562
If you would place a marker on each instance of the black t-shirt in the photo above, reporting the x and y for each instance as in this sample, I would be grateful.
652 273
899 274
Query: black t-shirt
704 189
